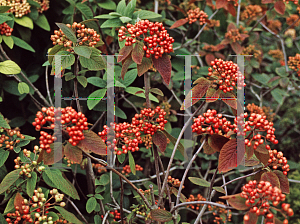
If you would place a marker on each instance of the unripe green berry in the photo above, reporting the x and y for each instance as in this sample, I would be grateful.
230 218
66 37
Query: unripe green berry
62 204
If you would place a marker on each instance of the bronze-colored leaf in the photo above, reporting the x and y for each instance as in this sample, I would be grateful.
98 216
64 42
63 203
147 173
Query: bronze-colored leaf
53 157
253 161
125 64
249 151
236 47
138 52
231 26
92 143
229 98
206 148
279 7
216 142
252 218
163 66
221 3
144 66
262 155
212 95
73 153
40 159
236 201
18 202
209 58
179 23
124 52
267 1
284 182
271 177
160 140
231 9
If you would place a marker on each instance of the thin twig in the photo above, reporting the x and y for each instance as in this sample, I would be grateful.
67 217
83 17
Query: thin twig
200 202
99 119
47 86
77 210
130 103
238 13
147 88
294 181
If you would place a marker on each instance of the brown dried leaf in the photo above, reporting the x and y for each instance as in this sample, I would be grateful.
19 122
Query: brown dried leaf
144 66
249 151
124 52
271 177
262 156
284 182
160 140
236 47
52 157
179 23
216 142
231 9
221 3
212 95
231 26
209 57
18 202
73 153
252 218
163 66
229 99
92 143
267 1
279 7
138 52
125 64
236 201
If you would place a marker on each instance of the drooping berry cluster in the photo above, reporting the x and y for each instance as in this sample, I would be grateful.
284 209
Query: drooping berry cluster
211 123
264 111
294 63
259 197
277 159
86 36
99 168
293 21
174 182
127 170
197 14
199 197
219 213
287 1
277 54
72 122
129 135
115 215
5 29
274 25
44 5
211 24
233 35
226 74
251 12
9 140
21 214
252 50
154 35
18 7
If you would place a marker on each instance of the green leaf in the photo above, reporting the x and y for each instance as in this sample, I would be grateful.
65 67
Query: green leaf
4 18
219 189
105 16
82 80
9 68
116 22
53 51
53 215
281 72
3 156
104 179
121 7
262 78
97 81
31 182
67 60
2 219
277 95
69 76
3 123
61 183
144 14
8 40
95 97
108 4
95 62
85 10
24 21
33 3
120 113
131 163
67 215
157 91
160 215
68 32
22 44
133 90
83 51
129 77
121 158
9 180
125 19
17 122
91 204
4 9
199 181
97 219
130 8
23 88
10 204
99 196
173 140
42 22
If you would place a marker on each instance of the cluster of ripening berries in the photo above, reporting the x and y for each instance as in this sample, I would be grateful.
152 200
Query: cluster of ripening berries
5 29
9 138
212 23
44 5
127 170
226 74
199 197
197 14
264 111
18 7
219 212
154 35
277 54
277 159
259 195
293 21
251 11
287 1
252 50
99 167
38 204
234 35
174 182
86 36
73 122
128 135
294 63
115 215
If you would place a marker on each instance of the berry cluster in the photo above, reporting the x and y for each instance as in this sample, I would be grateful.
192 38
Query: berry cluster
44 5
226 74
259 195
274 25
211 123
233 35
174 182
9 138
74 123
277 54
219 212
5 29
99 168
127 170
293 21
211 48
264 111
294 63
294 1
277 159
116 215
18 7
252 50
212 23
128 135
197 14
154 35
86 36
251 12
19 215
199 197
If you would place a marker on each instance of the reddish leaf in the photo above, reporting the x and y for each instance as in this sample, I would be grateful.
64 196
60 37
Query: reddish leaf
262 155
267 1
196 93
138 52
229 99
229 158
273 79
257 176
40 159
236 201
160 140
209 57
216 142
277 221
163 66
252 218
52 157
125 64
225 42
206 148
221 3
249 151
284 182
73 153
271 177
219 55
220 47
252 161
18 202
124 52
179 23
144 66
279 7
212 95
231 9
160 215
92 143
244 36
231 26
202 53
236 47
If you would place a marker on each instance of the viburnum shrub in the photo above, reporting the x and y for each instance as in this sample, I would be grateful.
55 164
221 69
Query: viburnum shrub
18 7
5 29
197 14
